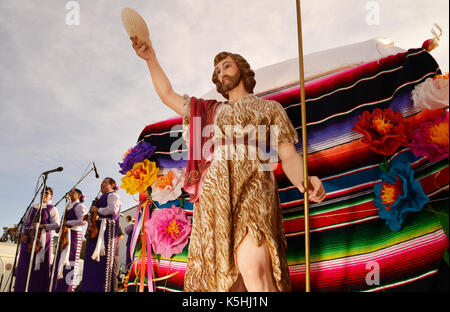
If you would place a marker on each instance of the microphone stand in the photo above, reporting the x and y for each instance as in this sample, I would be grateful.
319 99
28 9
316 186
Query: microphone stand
68 202
19 226
62 225
35 236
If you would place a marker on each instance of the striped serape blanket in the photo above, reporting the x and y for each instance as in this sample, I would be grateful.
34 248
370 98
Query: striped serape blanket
352 249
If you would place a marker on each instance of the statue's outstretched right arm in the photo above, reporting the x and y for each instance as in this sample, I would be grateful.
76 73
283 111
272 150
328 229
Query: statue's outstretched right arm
160 81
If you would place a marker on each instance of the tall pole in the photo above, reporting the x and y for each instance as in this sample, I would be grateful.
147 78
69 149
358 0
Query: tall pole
55 256
36 231
304 142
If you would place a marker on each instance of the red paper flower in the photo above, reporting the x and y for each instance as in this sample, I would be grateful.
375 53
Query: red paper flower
384 130
390 192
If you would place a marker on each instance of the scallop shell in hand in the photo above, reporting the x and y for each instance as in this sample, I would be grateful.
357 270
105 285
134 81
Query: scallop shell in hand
135 25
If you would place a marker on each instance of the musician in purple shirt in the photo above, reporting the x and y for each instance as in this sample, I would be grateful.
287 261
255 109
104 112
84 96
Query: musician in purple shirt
98 271
40 270
67 262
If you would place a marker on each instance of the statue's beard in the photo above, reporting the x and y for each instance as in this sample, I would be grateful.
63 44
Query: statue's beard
232 83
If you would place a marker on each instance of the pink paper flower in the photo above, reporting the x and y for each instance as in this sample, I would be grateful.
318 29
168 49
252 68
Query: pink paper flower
168 231
431 139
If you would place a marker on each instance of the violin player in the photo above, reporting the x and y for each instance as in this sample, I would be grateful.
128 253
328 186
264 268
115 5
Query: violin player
98 269
70 245
40 269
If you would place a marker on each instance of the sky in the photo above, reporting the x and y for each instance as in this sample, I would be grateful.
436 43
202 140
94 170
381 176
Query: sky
73 91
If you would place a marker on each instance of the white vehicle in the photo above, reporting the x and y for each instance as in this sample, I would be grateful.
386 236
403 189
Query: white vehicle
7 253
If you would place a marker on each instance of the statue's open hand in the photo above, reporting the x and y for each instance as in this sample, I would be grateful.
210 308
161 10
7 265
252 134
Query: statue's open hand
143 49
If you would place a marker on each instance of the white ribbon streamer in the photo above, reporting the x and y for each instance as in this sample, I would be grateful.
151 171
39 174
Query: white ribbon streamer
64 259
40 256
137 232
100 247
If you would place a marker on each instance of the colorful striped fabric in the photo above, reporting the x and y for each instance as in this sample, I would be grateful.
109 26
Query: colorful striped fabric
348 239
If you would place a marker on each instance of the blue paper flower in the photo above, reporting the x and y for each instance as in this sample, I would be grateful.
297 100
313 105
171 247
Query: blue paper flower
137 154
398 194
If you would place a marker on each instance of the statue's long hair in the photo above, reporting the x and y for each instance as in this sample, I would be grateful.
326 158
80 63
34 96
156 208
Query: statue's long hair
248 75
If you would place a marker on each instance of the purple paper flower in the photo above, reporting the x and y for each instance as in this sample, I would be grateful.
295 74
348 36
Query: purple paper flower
137 154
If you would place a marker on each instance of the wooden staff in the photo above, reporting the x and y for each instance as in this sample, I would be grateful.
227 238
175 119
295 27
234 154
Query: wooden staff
304 142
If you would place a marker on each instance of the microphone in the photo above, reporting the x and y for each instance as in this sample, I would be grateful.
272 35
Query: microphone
95 169
53 170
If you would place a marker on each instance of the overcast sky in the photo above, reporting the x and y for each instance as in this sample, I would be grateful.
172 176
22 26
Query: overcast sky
73 94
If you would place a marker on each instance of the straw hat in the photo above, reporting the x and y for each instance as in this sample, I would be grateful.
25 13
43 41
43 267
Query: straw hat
135 25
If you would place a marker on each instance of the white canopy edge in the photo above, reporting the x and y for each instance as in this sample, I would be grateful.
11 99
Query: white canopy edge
318 64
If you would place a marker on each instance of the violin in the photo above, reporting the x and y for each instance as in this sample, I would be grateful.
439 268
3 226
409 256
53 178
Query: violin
63 241
31 235
92 228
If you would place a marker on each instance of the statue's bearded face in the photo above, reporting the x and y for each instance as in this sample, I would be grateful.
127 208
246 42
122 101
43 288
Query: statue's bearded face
230 82
229 70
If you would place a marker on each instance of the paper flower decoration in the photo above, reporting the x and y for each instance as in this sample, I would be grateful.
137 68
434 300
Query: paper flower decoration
168 231
168 187
140 177
432 93
398 194
384 130
431 139
138 153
